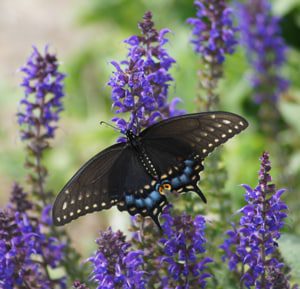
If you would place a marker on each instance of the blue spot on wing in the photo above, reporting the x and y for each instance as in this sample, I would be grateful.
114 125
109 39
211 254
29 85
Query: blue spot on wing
184 179
155 196
149 203
129 200
189 163
188 171
175 183
140 203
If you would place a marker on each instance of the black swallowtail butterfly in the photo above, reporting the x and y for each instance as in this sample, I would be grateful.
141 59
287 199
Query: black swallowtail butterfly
135 175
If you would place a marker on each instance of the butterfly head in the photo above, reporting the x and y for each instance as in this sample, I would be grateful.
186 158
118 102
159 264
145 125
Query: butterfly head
132 138
130 134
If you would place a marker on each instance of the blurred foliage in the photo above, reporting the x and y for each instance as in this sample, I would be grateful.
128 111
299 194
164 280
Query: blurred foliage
289 245
88 101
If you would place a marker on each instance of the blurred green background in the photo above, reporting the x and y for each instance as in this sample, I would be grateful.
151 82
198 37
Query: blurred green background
87 35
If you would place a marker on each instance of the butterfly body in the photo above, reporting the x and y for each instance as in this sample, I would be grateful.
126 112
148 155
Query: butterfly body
135 142
136 175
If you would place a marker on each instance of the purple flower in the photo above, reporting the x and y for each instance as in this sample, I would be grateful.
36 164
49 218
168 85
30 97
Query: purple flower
265 47
145 237
213 31
140 84
38 114
280 280
114 265
40 108
18 199
184 246
253 244
25 250
213 38
46 216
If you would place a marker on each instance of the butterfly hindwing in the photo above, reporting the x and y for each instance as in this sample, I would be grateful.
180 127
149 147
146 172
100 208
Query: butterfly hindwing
147 201
174 142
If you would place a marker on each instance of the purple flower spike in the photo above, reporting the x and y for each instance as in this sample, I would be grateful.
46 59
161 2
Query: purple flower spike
213 31
253 244
26 253
39 110
141 83
213 38
114 265
265 47
38 114
183 244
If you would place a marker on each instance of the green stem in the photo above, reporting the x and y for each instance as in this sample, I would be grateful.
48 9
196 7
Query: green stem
41 179
242 273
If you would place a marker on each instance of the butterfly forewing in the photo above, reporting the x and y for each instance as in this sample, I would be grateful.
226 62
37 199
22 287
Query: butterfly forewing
178 138
83 194
181 125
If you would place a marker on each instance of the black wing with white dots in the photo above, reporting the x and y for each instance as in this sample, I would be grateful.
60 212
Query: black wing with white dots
177 138
83 193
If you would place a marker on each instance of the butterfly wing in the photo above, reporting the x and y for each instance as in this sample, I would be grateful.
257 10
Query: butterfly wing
171 143
88 189
102 182
175 139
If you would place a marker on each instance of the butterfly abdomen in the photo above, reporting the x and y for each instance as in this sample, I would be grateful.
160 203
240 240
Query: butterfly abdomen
142 154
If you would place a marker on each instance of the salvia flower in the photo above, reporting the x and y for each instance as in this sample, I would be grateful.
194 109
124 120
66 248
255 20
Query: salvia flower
184 248
25 250
213 30
279 279
214 36
18 199
265 47
252 244
115 266
40 108
140 84
38 114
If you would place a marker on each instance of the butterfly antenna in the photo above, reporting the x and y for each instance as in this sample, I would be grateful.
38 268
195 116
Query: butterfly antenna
110 125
